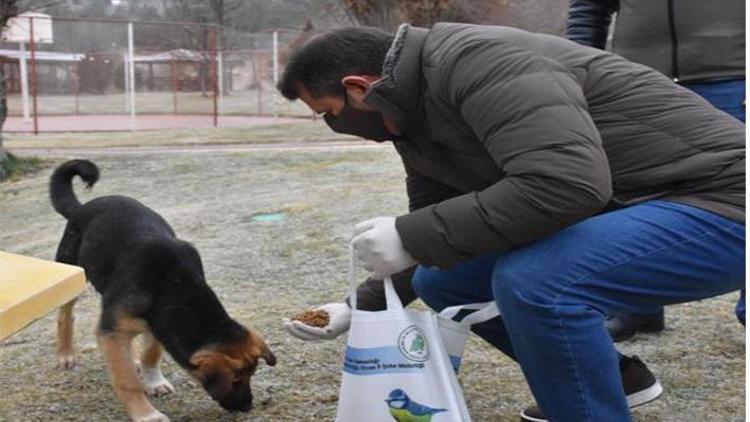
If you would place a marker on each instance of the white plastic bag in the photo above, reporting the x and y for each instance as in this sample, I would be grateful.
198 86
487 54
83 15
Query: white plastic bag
455 333
397 367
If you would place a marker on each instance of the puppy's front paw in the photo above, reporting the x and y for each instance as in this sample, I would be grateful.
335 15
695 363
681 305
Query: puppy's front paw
66 361
154 382
155 416
159 389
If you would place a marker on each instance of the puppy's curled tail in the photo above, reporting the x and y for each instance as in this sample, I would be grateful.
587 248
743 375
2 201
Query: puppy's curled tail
61 188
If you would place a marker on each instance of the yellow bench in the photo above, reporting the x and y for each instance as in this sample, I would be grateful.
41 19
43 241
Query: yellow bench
30 288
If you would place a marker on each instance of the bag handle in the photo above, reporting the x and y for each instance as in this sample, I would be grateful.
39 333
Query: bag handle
352 285
391 297
484 311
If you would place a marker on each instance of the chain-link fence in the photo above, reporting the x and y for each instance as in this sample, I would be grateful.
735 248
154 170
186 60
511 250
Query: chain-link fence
91 75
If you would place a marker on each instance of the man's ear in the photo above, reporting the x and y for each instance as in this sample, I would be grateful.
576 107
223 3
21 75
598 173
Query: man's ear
356 87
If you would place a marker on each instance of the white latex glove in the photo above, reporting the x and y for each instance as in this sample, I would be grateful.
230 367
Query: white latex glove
339 318
378 248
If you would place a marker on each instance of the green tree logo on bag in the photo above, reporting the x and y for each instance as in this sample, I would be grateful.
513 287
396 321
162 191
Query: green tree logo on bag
413 344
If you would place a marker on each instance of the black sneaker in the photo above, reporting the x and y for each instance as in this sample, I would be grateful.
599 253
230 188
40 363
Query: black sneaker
641 387
624 326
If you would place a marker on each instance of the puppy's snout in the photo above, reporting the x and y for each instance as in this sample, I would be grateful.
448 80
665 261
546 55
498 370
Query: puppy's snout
239 400
237 405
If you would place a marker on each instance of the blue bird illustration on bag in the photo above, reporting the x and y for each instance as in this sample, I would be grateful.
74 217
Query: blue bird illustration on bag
404 409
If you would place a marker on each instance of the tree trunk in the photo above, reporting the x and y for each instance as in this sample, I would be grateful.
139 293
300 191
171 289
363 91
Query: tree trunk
8 9
3 114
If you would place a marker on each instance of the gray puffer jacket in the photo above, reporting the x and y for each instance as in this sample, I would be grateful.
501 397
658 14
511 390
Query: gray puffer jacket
531 133
687 40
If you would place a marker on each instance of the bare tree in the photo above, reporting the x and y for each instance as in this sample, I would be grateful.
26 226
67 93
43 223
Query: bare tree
389 14
381 13
546 16
535 15
8 9
428 12
223 9
212 15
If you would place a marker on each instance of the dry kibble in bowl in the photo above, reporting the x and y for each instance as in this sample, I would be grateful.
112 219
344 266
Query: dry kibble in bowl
313 318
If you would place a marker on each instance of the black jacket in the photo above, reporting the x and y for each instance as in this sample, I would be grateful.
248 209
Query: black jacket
687 40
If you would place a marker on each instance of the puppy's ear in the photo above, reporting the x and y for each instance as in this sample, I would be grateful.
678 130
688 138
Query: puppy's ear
259 348
209 362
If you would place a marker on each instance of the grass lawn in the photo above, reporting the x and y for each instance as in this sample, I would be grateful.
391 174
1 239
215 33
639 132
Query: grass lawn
264 271
303 131
14 168
236 102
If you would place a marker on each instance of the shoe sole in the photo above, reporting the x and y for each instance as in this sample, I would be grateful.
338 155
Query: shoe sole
644 396
527 418
634 400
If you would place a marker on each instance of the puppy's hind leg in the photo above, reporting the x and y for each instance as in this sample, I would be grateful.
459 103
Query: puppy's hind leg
66 358
67 252
117 345
153 380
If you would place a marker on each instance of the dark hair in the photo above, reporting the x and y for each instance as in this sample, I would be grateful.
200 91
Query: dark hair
321 63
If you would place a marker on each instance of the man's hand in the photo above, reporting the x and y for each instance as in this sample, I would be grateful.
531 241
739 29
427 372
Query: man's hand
377 245
339 318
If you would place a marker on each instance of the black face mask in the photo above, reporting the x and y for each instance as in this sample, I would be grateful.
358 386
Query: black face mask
365 124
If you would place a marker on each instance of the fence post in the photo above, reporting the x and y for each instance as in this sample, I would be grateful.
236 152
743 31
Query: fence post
214 85
259 74
173 80
24 82
33 73
126 85
131 67
77 80
220 72
275 74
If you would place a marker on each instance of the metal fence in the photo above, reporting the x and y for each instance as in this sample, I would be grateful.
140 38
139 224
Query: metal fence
92 75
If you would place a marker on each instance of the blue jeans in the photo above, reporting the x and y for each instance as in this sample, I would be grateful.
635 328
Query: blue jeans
554 294
729 97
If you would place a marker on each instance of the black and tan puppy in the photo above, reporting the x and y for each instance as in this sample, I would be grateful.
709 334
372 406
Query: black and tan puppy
151 283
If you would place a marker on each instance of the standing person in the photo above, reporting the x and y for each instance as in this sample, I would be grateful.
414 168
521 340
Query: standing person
695 43
564 182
